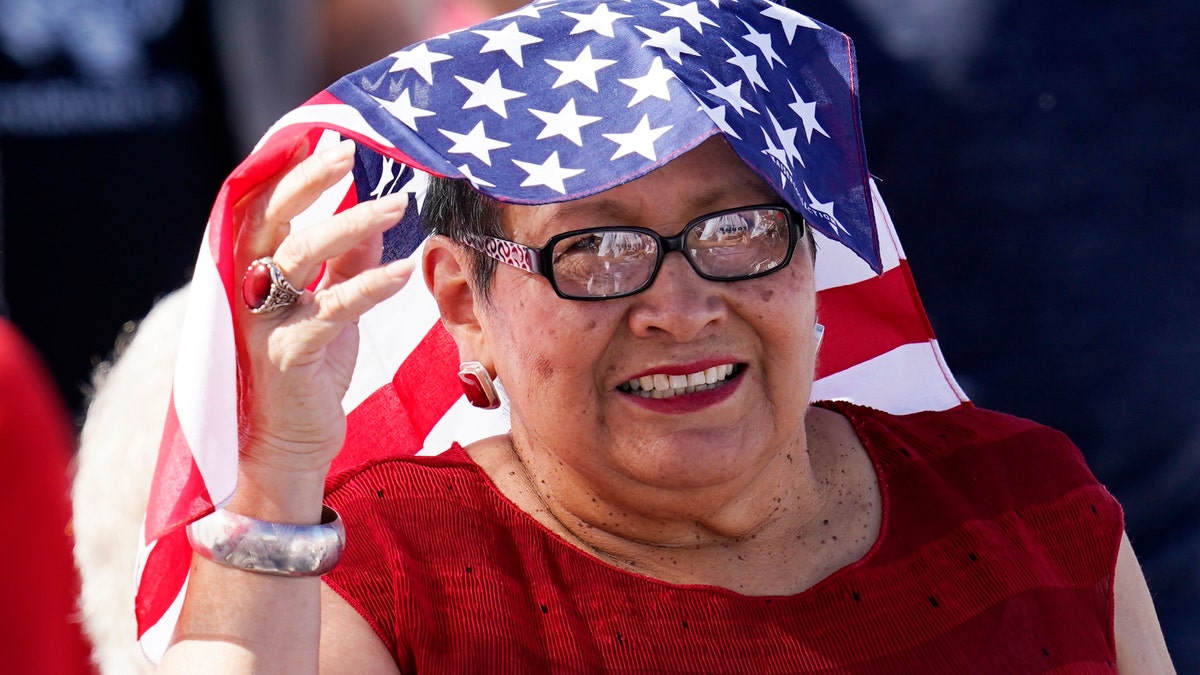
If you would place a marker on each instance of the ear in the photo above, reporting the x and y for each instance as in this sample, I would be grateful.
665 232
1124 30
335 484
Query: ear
446 266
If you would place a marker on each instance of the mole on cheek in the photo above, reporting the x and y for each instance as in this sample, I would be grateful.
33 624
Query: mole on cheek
591 325
766 295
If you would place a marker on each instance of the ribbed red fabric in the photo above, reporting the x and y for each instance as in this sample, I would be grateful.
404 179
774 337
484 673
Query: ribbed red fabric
996 555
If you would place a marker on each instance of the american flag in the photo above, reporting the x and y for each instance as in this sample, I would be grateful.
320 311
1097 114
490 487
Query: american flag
554 101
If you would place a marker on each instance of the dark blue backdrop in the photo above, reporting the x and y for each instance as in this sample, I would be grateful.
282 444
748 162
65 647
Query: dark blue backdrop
1039 161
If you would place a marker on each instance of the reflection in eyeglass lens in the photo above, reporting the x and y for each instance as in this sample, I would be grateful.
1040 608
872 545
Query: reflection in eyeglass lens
740 244
728 246
603 263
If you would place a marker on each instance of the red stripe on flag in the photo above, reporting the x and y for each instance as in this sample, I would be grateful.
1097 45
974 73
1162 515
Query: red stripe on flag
178 494
428 379
165 571
394 421
887 303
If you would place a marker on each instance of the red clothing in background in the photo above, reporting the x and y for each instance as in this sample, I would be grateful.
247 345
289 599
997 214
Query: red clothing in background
38 582
996 554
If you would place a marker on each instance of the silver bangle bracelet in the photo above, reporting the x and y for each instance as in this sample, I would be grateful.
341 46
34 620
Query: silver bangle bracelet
279 549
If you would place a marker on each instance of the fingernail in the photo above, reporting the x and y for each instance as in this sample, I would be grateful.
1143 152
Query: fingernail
392 205
337 154
399 268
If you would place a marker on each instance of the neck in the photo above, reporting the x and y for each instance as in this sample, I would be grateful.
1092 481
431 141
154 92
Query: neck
729 536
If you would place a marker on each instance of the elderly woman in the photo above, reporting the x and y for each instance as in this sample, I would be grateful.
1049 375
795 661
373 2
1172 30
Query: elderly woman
666 499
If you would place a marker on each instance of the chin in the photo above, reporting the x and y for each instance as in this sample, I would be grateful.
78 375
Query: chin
698 462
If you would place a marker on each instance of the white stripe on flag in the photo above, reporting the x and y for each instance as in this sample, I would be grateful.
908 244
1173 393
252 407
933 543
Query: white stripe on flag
389 333
206 411
908 379
325 115
464 423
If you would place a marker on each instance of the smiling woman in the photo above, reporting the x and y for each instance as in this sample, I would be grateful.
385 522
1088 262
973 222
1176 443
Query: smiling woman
663 497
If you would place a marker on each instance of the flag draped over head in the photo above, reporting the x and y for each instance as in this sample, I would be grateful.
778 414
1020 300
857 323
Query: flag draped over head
551 102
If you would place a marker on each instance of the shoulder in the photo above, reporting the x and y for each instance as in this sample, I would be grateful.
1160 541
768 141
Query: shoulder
972 460
936 435
964 421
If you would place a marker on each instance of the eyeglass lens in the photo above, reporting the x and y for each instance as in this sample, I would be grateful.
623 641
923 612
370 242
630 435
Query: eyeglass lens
725 246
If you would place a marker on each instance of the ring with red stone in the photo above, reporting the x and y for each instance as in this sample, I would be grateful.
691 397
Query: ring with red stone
265 289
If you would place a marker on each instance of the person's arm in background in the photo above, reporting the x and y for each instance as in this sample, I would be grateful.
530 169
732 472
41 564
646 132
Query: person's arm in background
1140 644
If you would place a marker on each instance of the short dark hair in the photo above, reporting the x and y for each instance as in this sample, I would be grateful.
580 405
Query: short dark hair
454 208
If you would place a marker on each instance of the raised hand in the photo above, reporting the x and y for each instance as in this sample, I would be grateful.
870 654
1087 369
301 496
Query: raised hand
295 362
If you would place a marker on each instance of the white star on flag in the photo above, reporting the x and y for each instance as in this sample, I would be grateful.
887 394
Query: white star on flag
748 64
717 115
474 142
582 70
420 59
732 93
790 19
787 140
640 140
477 182
599 21
403 109
530 11
653 83
807 112
548 173
670 42
565 123
509 40
387 173
689 13
490 93
777 155
823 208
764 44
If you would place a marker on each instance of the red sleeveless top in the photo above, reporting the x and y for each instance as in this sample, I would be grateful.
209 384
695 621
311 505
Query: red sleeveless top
996 554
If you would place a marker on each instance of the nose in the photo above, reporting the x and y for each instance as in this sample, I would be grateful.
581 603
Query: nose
679 303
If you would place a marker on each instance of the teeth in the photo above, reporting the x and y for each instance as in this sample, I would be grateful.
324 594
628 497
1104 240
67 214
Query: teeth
666 386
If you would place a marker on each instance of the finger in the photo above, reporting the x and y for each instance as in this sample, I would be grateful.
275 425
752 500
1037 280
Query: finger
365 255
301 254
252 238
346 302
300 187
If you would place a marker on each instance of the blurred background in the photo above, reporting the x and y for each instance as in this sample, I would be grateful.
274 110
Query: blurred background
1036 158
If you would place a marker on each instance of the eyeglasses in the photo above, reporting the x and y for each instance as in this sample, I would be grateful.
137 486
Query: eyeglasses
602 263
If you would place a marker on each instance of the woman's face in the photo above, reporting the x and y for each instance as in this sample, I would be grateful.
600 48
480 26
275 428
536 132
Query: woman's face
566 364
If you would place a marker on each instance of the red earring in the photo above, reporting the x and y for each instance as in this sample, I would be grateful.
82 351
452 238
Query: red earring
477 385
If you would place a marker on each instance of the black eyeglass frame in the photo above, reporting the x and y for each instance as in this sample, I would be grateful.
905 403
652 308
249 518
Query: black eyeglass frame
538 260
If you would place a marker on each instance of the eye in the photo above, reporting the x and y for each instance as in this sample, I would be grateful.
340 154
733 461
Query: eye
589 244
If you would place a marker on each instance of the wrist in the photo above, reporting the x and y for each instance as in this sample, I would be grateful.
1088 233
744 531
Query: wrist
276 494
